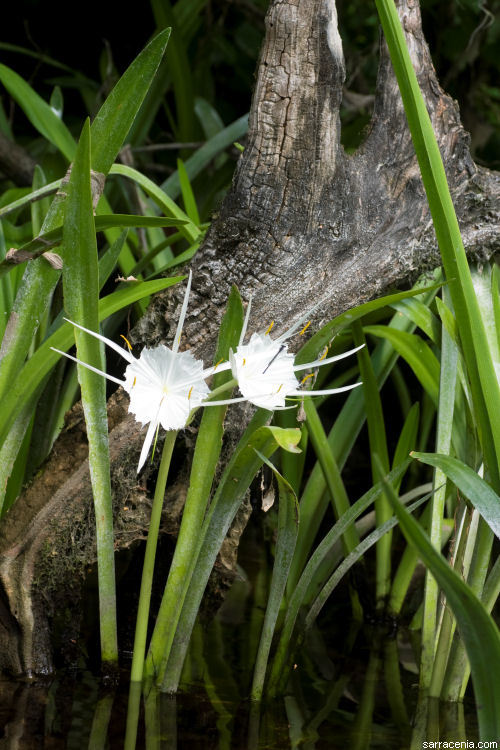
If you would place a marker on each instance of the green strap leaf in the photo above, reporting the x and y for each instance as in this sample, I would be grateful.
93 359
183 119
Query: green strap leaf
416 352
81 298
476 489
114 120
484 381
38 112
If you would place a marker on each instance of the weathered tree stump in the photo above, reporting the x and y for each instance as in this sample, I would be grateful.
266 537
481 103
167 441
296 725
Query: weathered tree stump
303 221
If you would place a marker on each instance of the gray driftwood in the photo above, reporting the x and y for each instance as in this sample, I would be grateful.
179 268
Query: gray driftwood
302 223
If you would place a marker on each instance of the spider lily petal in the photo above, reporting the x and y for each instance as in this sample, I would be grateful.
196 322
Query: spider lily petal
328 361
163 384
265 370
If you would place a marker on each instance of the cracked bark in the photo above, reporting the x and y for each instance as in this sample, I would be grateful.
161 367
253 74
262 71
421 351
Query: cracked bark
302 221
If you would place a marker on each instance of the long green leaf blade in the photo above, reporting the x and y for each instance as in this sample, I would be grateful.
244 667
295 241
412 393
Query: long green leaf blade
114 120
81 296
38 112
484 381
479 492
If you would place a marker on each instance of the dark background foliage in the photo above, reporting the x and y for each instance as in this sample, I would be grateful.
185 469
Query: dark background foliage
97 40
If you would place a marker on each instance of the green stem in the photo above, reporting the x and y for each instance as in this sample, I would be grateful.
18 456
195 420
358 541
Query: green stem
141 627
338 494
378 447
333 478
449 362
405 572
394 687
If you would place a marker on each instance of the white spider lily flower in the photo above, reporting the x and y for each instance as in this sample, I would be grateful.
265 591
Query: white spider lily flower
164 384
265 370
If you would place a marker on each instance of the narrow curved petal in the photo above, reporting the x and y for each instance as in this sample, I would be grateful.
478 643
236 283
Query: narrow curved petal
326 392
245 322
222 367
297 324
329 360
182 316
122 352
225 401
153 426
89 367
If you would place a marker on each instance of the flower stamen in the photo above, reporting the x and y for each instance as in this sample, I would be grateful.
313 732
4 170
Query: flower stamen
305 328
306 377
269 328
283 346
126 341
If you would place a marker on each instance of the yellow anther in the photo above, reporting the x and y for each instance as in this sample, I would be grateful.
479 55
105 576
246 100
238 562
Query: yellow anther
306 377
244 361
279 389
218 363
135 381
127 342
323 355
305 328
269 329
190 392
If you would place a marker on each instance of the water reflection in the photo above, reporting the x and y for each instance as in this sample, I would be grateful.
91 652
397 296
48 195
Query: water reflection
361 698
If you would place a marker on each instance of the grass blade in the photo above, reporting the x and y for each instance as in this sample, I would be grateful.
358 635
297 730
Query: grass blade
199 160
378 449
416 352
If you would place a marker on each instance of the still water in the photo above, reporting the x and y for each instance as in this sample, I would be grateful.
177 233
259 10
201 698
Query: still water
361 698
